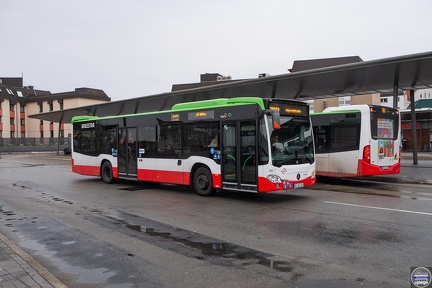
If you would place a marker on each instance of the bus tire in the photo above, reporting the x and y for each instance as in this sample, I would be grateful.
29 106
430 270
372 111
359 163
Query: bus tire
202 182
107 172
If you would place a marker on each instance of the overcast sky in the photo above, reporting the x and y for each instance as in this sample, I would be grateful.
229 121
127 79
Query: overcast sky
133 48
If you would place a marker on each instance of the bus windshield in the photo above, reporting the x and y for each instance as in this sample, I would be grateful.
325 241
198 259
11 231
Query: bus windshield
292 143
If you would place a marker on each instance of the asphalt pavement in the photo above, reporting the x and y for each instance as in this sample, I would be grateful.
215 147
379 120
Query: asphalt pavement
19 269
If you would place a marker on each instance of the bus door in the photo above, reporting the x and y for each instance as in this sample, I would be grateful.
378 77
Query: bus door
127 153
239 165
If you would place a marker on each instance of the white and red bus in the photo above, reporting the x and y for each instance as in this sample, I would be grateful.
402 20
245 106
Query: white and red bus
209 145
357 140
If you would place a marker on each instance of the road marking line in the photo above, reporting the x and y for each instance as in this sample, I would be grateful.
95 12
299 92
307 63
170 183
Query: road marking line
379 208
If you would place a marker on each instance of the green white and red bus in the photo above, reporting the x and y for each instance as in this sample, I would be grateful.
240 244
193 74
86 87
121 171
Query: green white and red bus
220 144
357 140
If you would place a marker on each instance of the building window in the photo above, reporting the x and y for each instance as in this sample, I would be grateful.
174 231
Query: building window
343 101
22 122
22 109
61 105
41 134
51 106
12 120
12 107
52 134
12 134
40 107
22 134
384 100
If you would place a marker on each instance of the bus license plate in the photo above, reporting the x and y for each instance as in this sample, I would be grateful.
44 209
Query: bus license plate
298 185
385 167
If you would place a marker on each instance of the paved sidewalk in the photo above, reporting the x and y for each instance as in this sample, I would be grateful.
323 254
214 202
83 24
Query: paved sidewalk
18 269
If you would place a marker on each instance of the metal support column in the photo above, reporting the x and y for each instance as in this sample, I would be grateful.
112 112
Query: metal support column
395 96
59 134
58 137
413 127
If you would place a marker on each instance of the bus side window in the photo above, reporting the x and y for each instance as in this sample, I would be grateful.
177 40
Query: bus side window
146 141
201 138
169 140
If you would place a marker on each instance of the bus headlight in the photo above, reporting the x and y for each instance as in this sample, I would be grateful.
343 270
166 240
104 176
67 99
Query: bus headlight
274 178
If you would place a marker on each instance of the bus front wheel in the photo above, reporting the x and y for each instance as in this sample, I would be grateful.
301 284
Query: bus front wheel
107 172
202 182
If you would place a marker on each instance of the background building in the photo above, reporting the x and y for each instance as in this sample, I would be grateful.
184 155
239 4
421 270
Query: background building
17 102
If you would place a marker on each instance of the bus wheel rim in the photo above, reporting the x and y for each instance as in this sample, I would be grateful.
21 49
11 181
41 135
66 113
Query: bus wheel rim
202 181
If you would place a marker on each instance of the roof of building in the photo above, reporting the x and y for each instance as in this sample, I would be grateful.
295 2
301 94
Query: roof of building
11 93
87 93
12 81
28 94
303 65
421 104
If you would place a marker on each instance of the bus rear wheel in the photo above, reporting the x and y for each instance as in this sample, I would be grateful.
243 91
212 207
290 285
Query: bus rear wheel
107 172
202 182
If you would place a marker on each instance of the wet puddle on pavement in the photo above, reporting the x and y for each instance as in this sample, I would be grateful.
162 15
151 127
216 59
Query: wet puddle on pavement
198 246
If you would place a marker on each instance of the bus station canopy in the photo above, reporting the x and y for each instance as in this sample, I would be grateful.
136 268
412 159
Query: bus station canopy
376 76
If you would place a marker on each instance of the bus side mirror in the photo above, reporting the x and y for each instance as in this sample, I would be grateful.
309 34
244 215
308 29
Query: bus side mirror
275 119
274 115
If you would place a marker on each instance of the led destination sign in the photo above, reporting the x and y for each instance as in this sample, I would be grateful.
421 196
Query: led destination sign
175 117
290 109
201 115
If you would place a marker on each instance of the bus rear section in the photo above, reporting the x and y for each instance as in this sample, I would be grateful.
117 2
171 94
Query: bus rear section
357 140
382 155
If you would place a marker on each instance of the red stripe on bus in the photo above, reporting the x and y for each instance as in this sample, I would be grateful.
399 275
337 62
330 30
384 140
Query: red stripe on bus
173 177
366 169
86 170
91 170
264 185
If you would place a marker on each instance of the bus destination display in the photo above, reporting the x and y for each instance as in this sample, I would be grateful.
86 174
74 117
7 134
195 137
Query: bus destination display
286 109
201 115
